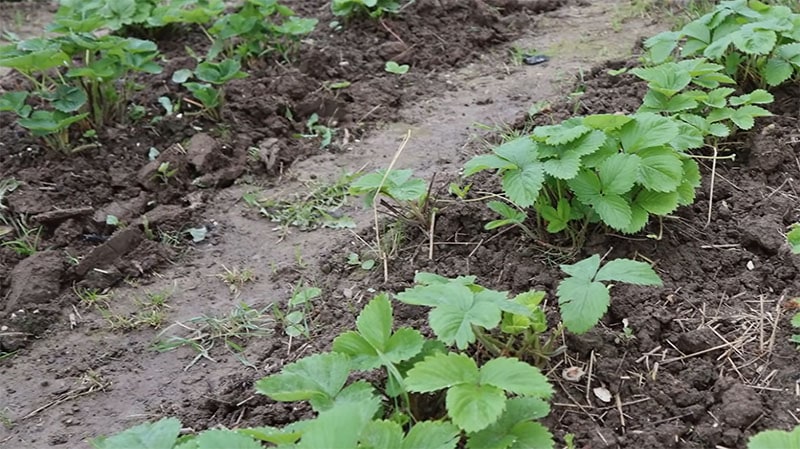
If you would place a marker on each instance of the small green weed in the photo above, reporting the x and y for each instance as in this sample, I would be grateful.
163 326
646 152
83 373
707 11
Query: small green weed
210 90
295 316
395 68
317 208
203 332
92 297
27 238
318 131
236 278
354 260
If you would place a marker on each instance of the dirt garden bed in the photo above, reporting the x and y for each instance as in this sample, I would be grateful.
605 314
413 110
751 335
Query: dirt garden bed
705 361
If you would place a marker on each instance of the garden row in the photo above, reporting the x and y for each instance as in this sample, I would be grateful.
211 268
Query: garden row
603 171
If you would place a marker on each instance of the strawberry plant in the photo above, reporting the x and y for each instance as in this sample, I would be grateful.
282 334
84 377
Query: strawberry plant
756 42
74 78
611 169
582 296
211 90
372 8
410 197
128 16
257 28
498 401
690 91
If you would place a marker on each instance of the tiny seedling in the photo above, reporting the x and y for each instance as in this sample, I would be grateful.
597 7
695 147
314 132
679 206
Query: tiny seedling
354 260
295 318
236 278
395 68
317 130
164 173
583 298
5 414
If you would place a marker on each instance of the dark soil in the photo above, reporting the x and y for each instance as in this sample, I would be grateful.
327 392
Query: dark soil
71 196
709 362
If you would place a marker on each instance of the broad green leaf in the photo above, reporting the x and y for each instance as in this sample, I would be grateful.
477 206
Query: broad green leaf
690 137
500 300
639 218
606 122
586 186
453 322
317 378
359 392
628 271
619 172
691 180
716 98
42 123
514 428
229 439
662 45
668 78
660 169
744 116
486 162
271 434
381 434
793 236
557 217
181 76
431 435
14 102
565 167
374 344
559 134
158 435
775 439
474 407
758 96
68 98
522 183
657 203
614 210
516 377
585 269
339 427
582 303
442 371
374 323
647 130
776 71
754 41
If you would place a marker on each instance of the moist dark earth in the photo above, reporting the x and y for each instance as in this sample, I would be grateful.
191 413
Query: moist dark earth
708 364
